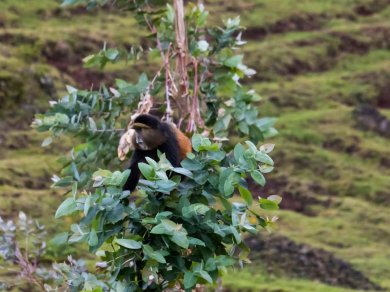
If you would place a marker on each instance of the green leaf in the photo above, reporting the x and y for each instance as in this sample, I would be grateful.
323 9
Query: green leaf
251 146
183 171
223 178
70 89
146 170
80 232
125 175
245 194
160 229
203 45
180 238
64 182
67 207
70 2
170 13
226 204
199 209
236 234
258 177
211 147
192 165
74 189
161 174
268 204
59 239
87 204
93 239
263 157
111 54
129 243
224 261
101 173
189 280
244 251
151 253
163 215
267 148
143 82
75 172
47 142
243 127
92 124
275 198
196 141
152 162
195 241
61 118
266 123
216 155
203 274
210 264
265 168
238 152
116 179
234 61
165 227
228 187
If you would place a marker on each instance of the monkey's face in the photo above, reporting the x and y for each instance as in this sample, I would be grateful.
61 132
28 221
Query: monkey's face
147 138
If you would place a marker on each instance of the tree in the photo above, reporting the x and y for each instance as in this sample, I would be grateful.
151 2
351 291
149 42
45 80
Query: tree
178 230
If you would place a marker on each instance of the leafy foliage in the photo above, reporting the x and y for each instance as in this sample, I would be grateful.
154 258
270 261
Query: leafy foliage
182 227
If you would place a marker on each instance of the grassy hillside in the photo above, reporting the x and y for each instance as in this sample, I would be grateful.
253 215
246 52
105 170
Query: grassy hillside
317 61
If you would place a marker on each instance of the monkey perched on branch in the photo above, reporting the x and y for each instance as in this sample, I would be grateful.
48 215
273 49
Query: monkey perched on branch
150 135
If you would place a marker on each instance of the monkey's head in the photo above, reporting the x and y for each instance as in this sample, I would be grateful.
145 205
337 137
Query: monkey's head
148 134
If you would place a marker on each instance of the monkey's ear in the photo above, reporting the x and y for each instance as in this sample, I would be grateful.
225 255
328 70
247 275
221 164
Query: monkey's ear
126 144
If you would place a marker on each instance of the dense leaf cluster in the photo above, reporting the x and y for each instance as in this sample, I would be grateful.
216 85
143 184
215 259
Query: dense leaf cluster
183 228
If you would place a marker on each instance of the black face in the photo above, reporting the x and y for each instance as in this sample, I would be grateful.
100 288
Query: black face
139 139
147 134
147 138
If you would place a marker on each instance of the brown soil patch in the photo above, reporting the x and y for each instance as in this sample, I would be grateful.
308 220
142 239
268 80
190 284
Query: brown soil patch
68 60
282 256
371 7
296 22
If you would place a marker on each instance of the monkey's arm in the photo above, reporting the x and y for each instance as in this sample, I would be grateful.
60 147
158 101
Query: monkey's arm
135 173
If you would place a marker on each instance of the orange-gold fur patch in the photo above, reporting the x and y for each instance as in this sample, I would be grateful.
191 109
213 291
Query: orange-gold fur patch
184 143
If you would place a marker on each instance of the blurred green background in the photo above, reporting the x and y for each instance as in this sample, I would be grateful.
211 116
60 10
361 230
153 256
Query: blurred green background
323 68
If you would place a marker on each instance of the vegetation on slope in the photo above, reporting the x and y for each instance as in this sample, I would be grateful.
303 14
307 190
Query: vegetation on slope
316 61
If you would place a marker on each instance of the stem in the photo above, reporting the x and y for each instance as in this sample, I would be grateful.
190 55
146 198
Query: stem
169 111
181 56
165 59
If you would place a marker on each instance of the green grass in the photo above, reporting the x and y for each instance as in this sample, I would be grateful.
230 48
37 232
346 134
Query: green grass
262 12
306 78
346 230
258 280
